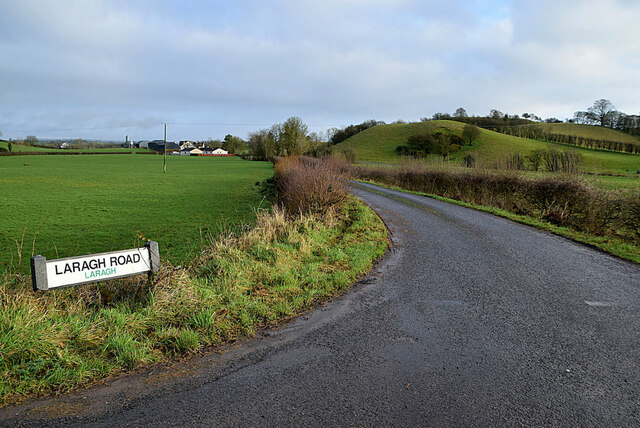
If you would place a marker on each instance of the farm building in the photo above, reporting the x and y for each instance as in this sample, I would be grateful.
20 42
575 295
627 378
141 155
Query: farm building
158 145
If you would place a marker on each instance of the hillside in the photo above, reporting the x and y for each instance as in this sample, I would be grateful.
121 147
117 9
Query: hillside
588 131
378 144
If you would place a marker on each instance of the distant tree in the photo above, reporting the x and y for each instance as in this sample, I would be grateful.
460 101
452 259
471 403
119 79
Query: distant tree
291 136
317 146
262 145
552 120
213 143
496 114
338 135
10 146
582 118
470 133
460 112
441 116
79 143
602 112
234 145
30 140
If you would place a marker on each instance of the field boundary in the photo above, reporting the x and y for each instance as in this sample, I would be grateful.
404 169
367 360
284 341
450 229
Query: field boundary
62 153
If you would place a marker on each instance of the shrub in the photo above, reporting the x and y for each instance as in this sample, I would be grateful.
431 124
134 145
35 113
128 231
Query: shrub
308 185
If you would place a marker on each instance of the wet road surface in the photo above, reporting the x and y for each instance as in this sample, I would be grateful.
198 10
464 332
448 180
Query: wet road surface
469 320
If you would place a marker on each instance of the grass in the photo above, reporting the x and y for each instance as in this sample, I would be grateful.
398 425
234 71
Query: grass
21 148
587 131
72 205
378 144
282 266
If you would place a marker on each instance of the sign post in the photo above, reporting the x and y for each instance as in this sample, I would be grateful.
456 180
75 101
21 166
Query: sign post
58 273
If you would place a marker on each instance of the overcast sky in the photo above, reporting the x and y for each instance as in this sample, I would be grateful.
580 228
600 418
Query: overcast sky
104 69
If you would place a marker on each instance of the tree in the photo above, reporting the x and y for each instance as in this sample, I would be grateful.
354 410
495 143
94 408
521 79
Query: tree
291 136
470 133
10 146
496 114
441 116
233 144
213 144
460 112
602 112
30 140
262 145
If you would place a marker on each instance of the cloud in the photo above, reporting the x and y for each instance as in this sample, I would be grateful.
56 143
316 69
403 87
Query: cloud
82 64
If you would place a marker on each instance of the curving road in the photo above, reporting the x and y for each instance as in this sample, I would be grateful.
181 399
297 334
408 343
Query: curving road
470 320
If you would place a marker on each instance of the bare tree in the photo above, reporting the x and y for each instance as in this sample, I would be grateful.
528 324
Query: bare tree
602 112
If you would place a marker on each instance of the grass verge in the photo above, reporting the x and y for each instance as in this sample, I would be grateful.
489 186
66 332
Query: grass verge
281 267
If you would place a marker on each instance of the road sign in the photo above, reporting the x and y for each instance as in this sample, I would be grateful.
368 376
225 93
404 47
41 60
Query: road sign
49 274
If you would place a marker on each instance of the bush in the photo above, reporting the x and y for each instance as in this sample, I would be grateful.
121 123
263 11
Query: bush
309 185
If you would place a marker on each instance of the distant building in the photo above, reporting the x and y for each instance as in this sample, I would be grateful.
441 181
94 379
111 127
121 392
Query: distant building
195 152
186 151
186 144
219 152
158 145
142 144
128 144
65 146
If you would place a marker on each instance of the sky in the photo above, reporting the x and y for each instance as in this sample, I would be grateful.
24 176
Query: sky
103 69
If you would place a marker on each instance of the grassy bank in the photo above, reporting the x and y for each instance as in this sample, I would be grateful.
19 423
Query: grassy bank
379 143
278 268
566 205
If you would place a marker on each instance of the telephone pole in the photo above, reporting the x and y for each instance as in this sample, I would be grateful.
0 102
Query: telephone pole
164 165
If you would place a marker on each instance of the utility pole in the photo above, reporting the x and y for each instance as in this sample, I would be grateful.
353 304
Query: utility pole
164 165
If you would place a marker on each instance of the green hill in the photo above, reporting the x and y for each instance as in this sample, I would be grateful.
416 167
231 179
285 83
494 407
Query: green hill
378 144
588 131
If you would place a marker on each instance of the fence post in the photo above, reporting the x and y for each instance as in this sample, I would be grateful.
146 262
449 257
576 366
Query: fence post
39 273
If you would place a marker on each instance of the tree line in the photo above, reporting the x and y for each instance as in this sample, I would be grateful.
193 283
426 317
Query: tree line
537 133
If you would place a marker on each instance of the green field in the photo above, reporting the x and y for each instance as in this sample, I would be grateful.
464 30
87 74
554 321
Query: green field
19 148
378 144
74 205
22 148
587 131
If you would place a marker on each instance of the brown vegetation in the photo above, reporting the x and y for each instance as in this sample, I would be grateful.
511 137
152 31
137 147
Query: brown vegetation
309 185
565 200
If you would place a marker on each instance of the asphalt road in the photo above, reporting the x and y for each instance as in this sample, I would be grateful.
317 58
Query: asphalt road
469 320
